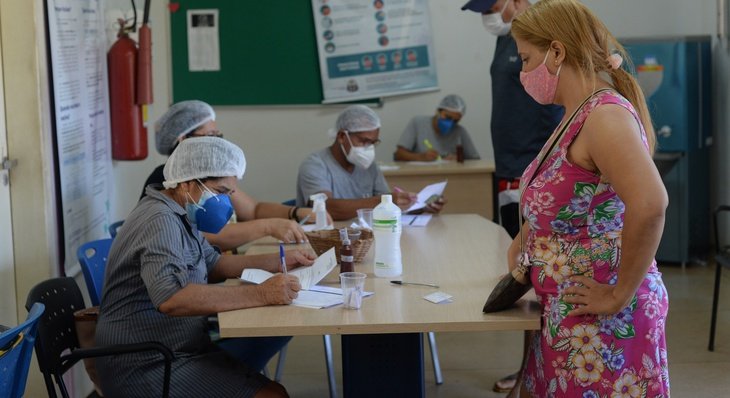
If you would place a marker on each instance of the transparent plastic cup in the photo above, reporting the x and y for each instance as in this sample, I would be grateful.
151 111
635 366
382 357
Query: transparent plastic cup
353 286
365 218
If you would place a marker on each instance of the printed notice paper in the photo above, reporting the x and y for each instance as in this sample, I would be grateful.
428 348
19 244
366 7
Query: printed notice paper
308 276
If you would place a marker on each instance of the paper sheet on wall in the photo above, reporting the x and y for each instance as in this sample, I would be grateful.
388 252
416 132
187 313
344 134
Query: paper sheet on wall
203 40
77 39
428 194
308 276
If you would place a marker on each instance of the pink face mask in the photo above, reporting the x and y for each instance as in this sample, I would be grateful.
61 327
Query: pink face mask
540 83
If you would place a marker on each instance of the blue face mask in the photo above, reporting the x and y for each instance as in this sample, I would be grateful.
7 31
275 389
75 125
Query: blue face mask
445 125
211 213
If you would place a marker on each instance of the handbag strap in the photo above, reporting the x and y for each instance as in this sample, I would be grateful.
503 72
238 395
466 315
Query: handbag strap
543 158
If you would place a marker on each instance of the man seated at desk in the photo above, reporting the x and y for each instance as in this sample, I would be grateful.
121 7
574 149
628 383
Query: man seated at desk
159 285
428 138
345 170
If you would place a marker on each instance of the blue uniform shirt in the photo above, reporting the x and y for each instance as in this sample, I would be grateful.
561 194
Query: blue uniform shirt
520 126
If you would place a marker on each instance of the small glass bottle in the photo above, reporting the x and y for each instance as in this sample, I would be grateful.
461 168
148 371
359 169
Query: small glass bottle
346 257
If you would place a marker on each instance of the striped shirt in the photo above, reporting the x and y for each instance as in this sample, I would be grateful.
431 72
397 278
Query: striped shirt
155 255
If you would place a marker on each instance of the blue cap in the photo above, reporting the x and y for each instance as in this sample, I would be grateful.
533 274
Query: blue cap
480 6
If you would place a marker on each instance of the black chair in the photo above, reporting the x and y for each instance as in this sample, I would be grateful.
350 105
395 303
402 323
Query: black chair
57 333
722 259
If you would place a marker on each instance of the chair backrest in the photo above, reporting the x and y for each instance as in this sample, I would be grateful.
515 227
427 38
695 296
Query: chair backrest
56 329
114 227
92 257
721 245
16 352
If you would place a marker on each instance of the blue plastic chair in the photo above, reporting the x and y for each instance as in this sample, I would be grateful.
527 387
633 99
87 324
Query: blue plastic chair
16 352
114 227
92 257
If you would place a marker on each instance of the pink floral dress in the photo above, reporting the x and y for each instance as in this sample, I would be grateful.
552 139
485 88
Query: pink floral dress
575 229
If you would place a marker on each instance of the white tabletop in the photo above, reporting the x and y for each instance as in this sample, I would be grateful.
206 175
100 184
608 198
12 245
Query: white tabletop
462 253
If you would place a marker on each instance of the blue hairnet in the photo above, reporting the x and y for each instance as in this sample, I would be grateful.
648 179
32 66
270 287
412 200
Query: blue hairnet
203 157
453 103
182 118
357 118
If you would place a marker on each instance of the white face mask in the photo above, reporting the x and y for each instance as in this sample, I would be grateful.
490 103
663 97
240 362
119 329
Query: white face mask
362 156
494 23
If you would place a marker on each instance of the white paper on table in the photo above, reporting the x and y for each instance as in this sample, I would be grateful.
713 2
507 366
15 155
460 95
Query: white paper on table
308 276
439 297
428 163
311 227
334 290
415 220
426 193
315 299
388 167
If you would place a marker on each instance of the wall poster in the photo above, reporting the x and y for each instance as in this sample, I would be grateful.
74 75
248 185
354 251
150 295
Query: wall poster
81 117
371 49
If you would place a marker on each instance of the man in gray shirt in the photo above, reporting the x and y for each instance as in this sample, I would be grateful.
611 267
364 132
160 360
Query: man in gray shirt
346 172
428 138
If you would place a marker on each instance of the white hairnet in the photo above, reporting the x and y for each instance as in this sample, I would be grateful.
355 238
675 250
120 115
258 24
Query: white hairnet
355 119
182 118
453 103
203 157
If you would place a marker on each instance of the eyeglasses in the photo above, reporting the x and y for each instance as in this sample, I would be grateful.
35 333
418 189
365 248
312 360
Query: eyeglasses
209 133
365 141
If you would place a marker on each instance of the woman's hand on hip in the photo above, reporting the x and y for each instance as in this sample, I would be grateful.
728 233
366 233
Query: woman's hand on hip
592 297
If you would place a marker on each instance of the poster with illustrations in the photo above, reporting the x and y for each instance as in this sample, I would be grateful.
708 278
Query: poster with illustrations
377 48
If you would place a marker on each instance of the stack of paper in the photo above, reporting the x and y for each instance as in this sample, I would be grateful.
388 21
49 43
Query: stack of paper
310 296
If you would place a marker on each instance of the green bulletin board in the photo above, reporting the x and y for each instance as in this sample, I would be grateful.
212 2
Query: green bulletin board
268 54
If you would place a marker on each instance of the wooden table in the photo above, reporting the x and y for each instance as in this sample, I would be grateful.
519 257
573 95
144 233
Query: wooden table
469 189
464 254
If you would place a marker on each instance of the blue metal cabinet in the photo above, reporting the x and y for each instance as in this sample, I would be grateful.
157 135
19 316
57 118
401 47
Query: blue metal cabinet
675 74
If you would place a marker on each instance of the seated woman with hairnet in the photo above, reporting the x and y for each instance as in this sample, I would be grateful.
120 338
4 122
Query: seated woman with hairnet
159 285
346 172
428 138
194 119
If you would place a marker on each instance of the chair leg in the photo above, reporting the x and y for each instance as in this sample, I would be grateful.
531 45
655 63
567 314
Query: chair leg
435 358
280 364
330 366
715 298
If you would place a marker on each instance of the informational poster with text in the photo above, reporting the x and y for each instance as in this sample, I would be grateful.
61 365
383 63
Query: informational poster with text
374 48
81 102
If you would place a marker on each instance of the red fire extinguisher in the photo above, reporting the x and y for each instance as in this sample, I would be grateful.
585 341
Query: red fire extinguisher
129 136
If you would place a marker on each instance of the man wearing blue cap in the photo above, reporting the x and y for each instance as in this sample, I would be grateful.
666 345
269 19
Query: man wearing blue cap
520 126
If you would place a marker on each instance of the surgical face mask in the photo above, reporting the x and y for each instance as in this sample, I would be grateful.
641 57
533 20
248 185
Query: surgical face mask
540 83
445 125
362 156
494 23
212 211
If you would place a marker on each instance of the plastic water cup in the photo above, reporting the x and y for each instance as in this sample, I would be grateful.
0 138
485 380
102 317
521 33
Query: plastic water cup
353 285
365 218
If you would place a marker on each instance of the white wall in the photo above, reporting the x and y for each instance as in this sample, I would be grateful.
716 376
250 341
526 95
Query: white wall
276 139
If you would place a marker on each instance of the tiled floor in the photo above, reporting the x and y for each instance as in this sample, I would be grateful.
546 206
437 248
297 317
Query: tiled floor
471 362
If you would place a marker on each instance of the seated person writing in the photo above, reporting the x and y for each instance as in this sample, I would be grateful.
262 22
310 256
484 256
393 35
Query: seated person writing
345 171
194 119
428 138
159 285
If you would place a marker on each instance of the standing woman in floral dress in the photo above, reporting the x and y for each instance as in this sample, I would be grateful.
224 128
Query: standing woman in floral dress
593 205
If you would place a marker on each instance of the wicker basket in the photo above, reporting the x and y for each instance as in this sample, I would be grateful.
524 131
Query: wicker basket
321 241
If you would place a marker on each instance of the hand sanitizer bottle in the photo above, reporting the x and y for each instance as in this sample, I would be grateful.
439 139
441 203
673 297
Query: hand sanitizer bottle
320 210
387 230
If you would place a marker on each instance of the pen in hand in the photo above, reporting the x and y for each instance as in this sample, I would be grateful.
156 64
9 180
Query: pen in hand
283 259
305 219
430 146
